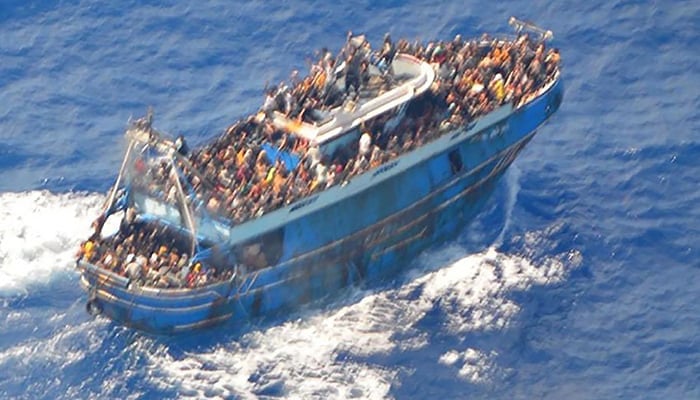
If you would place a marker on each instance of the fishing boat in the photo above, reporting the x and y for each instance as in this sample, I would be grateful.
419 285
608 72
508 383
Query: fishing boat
339 180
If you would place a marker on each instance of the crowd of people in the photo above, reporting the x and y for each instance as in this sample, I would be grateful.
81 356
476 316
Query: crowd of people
242 181
235 178
151 255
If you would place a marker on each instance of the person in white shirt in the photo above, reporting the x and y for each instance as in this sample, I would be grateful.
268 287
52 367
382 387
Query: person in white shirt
365 144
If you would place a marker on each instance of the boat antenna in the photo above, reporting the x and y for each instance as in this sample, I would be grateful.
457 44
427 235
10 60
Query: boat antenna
149 115
143 123
520 26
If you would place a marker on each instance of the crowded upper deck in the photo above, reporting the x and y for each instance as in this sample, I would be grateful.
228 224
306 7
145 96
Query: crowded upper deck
259 165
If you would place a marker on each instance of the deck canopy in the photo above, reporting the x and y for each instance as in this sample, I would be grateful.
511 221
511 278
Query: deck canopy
409 78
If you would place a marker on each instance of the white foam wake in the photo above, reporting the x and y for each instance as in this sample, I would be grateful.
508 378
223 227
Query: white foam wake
39 235
325 356
331 354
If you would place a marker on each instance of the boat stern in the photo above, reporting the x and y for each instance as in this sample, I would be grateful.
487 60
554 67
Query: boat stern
155 310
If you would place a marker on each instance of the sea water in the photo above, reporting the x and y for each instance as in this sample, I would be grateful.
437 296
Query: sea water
580 279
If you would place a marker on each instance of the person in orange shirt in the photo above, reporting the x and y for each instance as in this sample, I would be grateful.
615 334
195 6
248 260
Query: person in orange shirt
87 250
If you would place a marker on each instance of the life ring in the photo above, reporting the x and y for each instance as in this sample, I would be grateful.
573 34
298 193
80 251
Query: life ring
93 307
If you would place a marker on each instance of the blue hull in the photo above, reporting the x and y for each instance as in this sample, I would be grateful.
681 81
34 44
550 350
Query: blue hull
363 232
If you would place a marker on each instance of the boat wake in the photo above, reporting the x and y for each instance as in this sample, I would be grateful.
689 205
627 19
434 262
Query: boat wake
40 234
355 348
340 353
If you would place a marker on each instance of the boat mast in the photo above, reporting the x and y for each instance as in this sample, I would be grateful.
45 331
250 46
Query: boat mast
189 220
113 193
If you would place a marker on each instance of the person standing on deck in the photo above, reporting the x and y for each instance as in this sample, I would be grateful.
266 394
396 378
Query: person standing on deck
353 64
386 55
181 145
270 103
365 144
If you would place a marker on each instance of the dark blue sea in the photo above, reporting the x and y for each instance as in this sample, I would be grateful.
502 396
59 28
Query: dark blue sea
580 279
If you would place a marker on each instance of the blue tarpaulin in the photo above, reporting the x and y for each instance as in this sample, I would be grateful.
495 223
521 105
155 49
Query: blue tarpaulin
273 154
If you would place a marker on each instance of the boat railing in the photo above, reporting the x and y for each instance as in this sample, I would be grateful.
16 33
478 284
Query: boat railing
551 81
102 275
248 281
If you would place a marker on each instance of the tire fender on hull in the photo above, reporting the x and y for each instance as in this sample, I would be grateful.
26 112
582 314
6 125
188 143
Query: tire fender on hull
93 307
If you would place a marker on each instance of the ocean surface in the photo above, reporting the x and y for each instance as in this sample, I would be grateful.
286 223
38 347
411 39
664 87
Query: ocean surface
579 280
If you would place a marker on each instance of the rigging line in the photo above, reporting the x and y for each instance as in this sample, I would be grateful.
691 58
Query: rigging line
210 185
198 204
